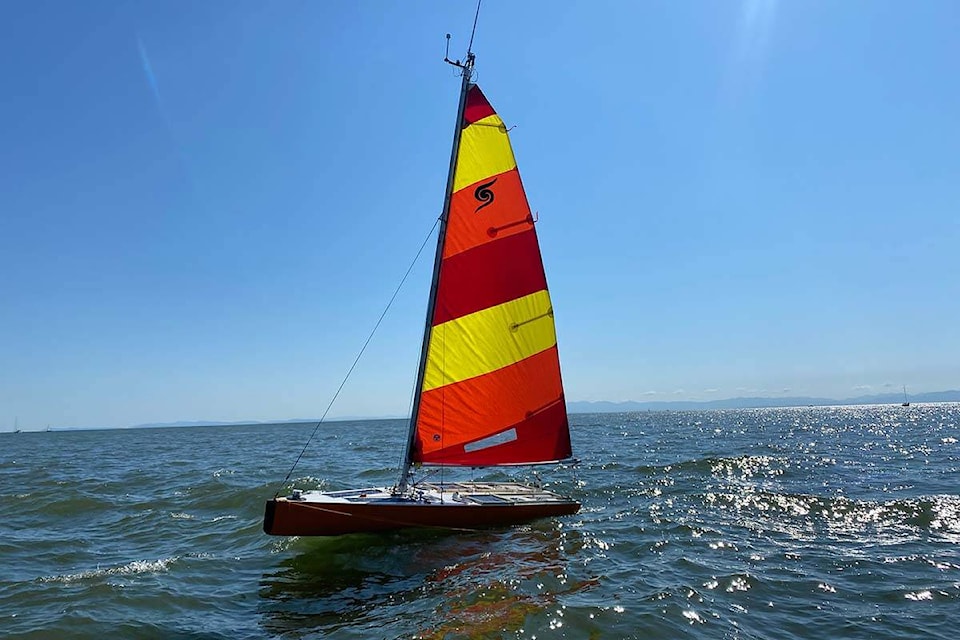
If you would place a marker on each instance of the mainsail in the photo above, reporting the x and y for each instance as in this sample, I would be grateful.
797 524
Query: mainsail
492 392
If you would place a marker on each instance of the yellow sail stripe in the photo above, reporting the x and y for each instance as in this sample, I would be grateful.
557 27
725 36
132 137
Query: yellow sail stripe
490 339
484 151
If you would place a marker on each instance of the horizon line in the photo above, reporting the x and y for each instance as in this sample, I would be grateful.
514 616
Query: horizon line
679 405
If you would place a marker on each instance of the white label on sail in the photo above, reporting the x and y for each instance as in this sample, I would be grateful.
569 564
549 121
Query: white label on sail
499 438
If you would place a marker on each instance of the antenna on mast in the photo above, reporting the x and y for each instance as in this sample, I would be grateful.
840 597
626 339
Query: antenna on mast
467 64
476 17
446 56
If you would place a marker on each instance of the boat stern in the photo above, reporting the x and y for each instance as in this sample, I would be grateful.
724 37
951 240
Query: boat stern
268 514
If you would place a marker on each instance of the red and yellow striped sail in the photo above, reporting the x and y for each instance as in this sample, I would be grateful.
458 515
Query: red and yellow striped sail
492 392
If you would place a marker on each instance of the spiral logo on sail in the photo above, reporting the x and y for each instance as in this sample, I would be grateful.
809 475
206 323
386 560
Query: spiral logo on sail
484 194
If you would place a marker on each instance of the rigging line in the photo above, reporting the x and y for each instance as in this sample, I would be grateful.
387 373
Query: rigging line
472 33
362 349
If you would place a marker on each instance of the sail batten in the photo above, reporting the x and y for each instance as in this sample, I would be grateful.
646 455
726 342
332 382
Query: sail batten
499 218
491 390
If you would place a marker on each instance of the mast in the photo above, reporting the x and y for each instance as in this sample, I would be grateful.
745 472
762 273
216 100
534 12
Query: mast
467 72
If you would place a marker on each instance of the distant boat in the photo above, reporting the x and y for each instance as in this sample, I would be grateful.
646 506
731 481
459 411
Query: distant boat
489 391
16 427
905 403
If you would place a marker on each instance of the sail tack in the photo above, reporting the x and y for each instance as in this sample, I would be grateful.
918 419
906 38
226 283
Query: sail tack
492 392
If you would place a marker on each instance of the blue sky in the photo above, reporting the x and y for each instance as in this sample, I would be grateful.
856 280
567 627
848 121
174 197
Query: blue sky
205 206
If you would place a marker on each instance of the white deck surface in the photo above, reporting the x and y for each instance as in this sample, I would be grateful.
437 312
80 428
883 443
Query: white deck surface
465 493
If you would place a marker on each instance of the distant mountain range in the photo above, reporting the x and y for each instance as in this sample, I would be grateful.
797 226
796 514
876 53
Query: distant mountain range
617 407
604 406
757 403
195 423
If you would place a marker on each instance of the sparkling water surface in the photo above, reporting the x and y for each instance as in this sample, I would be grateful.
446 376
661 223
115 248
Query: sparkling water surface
767 523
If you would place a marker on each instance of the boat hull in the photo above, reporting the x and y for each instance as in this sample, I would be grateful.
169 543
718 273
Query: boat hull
376 510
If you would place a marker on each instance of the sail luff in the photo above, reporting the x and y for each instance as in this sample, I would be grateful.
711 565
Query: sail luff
467 71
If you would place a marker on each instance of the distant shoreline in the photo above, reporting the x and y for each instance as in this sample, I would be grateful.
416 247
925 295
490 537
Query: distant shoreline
586 407
604 406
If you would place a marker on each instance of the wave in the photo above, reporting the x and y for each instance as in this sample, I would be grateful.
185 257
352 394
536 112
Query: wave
745 465
131 568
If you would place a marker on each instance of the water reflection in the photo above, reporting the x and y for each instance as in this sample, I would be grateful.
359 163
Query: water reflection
425 584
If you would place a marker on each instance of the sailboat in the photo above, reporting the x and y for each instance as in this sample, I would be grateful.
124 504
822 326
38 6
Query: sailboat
905 403
489 391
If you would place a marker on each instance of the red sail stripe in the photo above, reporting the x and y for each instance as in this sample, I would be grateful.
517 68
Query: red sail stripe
469 226
464 411
477 107
490 274
542 436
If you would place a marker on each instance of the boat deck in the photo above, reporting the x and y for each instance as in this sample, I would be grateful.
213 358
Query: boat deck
464 493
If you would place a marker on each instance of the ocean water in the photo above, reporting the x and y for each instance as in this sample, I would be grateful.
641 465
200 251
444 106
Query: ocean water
773 523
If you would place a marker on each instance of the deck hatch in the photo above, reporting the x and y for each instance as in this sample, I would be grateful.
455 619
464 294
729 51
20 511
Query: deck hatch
486 498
